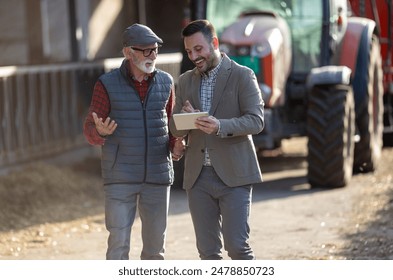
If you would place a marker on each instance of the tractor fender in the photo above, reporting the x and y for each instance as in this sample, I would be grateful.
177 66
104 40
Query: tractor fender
360 76
329 75
356 42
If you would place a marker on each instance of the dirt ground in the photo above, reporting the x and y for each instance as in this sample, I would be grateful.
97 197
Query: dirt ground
55 211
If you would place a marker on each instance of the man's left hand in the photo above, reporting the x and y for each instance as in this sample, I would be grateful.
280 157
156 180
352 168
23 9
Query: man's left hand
209 125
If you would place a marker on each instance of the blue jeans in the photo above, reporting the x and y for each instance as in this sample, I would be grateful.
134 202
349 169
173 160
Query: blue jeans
121 202
220 211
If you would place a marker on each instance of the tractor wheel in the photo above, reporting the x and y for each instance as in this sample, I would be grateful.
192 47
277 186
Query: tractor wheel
331 130
369 112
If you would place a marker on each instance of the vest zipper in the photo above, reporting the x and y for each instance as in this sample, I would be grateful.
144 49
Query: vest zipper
146 136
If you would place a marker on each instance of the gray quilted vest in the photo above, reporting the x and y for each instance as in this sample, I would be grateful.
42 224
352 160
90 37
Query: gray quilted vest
138 150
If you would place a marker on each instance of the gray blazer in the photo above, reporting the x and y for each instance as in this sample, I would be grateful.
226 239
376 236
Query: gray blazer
238 104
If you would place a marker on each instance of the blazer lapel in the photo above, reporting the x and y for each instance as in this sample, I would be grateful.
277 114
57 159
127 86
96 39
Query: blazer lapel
222 78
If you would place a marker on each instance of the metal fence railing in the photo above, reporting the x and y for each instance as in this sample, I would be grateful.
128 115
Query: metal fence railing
42 108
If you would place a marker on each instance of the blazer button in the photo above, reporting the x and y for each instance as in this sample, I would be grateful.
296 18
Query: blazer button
202 150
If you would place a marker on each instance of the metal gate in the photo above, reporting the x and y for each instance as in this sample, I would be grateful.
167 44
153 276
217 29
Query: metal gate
42 108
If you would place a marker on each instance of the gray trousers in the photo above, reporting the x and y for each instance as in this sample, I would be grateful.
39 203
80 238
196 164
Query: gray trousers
217 212
121 202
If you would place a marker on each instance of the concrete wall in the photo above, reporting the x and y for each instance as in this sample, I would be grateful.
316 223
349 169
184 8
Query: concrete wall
13 46
57 31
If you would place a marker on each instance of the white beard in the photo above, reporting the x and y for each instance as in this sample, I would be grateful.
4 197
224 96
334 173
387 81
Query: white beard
146 69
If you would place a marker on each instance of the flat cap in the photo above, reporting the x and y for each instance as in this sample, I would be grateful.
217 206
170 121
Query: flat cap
139 35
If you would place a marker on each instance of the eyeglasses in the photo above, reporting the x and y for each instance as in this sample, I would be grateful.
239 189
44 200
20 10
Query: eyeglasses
146 52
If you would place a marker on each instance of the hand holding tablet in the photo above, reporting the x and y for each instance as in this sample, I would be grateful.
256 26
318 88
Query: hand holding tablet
185 121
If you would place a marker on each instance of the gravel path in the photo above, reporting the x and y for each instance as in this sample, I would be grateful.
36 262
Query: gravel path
52 211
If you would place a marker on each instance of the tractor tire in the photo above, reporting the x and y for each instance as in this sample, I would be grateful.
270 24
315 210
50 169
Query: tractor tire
331 131
369 112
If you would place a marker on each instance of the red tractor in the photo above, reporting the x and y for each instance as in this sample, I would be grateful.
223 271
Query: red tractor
319 68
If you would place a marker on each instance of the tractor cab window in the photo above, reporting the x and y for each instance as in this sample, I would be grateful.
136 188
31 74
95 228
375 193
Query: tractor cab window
306 28
304 18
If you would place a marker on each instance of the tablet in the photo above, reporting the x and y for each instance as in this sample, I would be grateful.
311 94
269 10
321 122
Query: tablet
186 120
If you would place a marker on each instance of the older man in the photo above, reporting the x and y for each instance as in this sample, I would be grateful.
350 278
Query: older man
128 117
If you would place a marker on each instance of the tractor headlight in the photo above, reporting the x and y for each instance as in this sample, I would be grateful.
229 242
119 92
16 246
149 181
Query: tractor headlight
260 50
243 51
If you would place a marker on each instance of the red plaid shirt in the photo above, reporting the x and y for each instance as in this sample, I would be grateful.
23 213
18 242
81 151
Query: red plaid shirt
100 104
